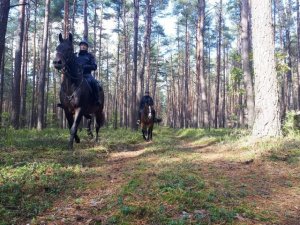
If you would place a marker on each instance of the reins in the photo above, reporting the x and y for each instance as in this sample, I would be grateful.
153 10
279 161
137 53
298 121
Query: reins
66 70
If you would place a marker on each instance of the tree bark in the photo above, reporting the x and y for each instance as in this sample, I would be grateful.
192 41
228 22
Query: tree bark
4 11
298 52
33 97
148 42
246 62
267 108
201 84
17 70
85 21
24 71
66 19
218 66
43 66
134 107
2 86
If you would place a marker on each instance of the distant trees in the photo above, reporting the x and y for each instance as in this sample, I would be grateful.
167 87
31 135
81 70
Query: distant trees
202 76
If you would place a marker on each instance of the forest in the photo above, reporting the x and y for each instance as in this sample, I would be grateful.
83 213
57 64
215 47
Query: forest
225 79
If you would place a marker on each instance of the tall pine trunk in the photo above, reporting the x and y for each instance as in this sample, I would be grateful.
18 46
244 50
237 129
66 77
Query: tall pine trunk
267 108
201 84
33 97
134 106
216 121
17 70
298 52
246 62
4 10
43 66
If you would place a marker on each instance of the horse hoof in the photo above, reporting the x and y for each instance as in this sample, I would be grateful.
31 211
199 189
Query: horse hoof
77 139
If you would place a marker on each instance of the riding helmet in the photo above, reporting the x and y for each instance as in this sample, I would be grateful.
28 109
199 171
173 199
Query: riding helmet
84 42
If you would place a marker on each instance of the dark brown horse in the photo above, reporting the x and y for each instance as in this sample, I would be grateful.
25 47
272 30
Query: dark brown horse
147 121
76 95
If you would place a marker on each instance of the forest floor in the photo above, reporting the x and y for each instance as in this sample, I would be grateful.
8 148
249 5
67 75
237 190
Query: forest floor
182 177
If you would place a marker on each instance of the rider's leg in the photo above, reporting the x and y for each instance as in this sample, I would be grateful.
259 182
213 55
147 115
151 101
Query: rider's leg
96 92
95 87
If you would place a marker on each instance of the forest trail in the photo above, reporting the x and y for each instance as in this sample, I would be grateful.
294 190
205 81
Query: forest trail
265 191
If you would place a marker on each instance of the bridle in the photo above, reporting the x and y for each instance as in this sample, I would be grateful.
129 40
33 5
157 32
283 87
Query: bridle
66 69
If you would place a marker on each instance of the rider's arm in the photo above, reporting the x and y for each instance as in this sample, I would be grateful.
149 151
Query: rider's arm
151 101
92 64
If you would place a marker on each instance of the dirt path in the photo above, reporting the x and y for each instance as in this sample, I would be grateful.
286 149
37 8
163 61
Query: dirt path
272 187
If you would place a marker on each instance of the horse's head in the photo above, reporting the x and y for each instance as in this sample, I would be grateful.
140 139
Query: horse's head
64 52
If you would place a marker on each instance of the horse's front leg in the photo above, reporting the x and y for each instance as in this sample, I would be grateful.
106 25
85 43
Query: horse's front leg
73 130
70 120
150 133
144 132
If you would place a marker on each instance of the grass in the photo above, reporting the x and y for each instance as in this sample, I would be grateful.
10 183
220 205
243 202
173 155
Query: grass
189 176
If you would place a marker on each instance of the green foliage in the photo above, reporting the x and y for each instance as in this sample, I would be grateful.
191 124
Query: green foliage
289 124
28 189
281 66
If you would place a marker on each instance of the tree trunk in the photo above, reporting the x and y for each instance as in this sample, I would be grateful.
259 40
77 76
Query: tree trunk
201 84
126 60
134 106
73 17
66 19
246 62
43 65
2 85
33 97
117 70
100 44
298 52
148 42
24 71
17 70
85 20
267 108
218 66
4 11
186 78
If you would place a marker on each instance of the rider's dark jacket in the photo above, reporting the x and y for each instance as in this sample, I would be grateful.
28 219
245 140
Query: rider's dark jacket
87 61
146 99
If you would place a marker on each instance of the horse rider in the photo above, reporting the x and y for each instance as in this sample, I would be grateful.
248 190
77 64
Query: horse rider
88 63
147 99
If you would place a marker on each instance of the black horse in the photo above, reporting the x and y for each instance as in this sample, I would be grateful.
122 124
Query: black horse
147 121
76 95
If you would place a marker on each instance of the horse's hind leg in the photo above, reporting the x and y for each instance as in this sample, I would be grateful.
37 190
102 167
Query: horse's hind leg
89 123
144 132
99 122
